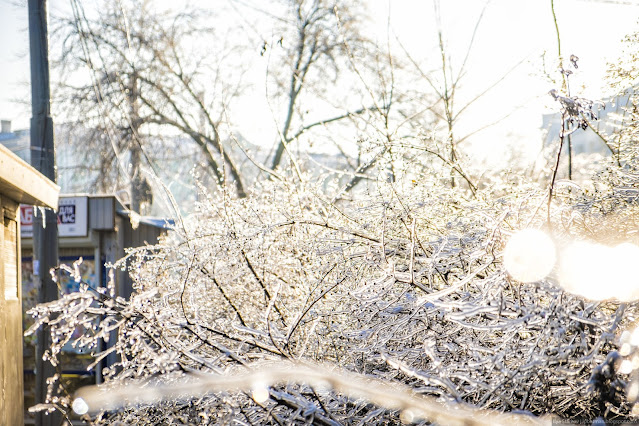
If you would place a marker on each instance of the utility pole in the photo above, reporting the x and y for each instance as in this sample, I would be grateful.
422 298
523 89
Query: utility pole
45 227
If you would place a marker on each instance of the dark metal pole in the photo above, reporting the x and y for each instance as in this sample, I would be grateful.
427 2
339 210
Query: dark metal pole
45 229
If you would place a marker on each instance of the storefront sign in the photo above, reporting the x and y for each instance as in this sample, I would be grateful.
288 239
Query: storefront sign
73 218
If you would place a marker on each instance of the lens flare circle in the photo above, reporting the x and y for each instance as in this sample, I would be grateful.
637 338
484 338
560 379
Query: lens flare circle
530 255
79 406
260 394
600 272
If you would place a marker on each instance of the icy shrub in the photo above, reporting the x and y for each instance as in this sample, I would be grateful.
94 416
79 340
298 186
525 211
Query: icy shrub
404 284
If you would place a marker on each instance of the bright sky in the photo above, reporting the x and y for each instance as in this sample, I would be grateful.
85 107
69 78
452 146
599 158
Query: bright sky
14 70
510 32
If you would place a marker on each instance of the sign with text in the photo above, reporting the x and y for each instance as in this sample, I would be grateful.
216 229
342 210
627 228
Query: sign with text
73 217
26 221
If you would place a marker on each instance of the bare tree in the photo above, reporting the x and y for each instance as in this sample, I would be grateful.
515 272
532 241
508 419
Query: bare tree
145 78
151 76
308 61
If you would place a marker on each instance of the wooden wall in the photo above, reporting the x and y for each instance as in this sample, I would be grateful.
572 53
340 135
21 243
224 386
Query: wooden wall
11 387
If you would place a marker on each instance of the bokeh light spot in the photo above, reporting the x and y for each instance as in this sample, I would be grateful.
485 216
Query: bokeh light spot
260 394
529 256
79 406
599 272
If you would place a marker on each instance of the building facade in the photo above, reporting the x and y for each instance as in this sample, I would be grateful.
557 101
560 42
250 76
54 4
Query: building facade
19 183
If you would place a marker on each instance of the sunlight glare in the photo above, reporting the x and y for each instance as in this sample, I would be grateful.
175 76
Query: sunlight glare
624 278
529 255
582 270
598 272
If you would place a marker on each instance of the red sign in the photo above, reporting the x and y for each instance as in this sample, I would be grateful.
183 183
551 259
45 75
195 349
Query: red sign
26 216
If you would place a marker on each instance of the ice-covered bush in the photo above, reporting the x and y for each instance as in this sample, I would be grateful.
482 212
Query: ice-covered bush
404 283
